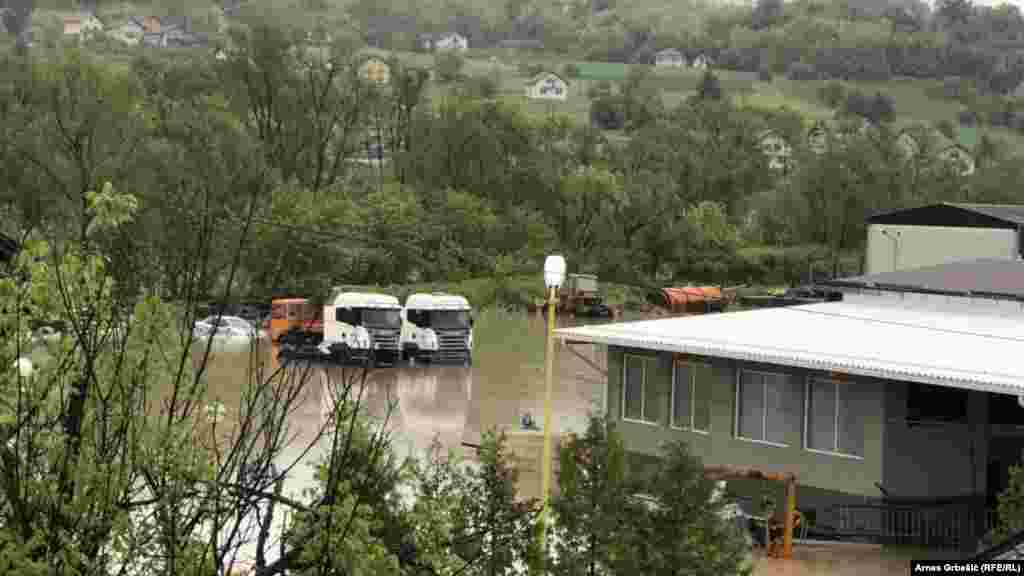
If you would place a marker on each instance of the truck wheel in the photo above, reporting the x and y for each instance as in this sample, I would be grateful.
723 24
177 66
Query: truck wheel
469 360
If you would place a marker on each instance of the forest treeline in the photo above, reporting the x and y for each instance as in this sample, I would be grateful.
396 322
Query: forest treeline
270 144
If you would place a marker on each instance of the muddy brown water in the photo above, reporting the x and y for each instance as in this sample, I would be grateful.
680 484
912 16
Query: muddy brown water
455 404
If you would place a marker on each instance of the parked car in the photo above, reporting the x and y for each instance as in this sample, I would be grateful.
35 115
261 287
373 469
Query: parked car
225 326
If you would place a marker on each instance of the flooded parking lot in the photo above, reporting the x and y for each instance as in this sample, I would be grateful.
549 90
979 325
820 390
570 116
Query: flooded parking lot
454 404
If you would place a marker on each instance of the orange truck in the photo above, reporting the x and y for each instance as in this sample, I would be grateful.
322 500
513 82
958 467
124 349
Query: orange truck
296 321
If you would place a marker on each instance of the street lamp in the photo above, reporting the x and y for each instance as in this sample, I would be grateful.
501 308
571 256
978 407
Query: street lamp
554 275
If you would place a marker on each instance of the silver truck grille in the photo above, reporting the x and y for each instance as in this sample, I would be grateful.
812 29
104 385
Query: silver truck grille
452 343
388 339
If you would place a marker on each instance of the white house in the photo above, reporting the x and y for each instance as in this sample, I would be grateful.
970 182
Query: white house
670 58
701 62
960 158
817 138
547 86
82 26
777 149
451 41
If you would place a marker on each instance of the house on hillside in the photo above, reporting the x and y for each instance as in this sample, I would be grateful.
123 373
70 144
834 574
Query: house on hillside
170 32
670 58
960 158
701 62
817 138
451 41
547 86
375 70
908 145
81 27
905 388
777 149
943 233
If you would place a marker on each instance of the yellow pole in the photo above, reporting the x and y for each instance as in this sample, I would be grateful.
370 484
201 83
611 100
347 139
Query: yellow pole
787 538
549 358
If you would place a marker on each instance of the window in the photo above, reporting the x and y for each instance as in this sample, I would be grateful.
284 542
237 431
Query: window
835 417
691 396
767 407
639 399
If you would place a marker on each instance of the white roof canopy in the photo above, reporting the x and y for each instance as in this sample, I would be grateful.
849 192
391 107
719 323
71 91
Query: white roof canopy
974 350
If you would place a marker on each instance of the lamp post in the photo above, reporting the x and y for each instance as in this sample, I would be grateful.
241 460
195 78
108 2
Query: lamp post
554 275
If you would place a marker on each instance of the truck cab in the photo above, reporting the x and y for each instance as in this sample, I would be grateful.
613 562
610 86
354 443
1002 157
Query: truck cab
437 327
362 327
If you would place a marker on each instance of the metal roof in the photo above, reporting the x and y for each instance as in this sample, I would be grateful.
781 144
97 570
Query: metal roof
955 214
983 277
1009 212
965 349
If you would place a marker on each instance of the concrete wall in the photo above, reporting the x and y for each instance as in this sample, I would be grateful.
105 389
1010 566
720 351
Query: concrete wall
916 246
820 471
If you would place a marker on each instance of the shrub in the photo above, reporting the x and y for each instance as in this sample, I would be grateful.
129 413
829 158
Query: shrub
832 94
482 87
946 128
529 69
602 89
448 66
607 113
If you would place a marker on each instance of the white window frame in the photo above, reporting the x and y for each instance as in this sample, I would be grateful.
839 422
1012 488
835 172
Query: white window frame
764 408
643 389
693 386
835 420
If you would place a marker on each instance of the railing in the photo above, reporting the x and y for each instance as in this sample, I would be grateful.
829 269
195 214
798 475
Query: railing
939 526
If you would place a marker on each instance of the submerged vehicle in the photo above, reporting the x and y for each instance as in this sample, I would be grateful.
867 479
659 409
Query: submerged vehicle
295 321
581 296
437 327
362 327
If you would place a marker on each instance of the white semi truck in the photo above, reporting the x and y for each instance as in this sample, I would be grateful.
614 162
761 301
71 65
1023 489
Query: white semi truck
437 327
360 326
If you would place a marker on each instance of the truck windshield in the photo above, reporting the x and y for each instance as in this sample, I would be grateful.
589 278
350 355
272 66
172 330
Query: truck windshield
449 319
385 317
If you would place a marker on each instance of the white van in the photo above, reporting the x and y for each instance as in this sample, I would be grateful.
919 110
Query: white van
360 326
437 327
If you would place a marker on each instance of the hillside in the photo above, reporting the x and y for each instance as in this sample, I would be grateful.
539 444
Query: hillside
958 63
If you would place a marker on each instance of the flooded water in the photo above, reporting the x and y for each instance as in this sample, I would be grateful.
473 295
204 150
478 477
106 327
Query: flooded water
455 404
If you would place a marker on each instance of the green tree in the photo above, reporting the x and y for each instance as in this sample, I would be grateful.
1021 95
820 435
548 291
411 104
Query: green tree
468 518
448 66
309 109
591 509
685 531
